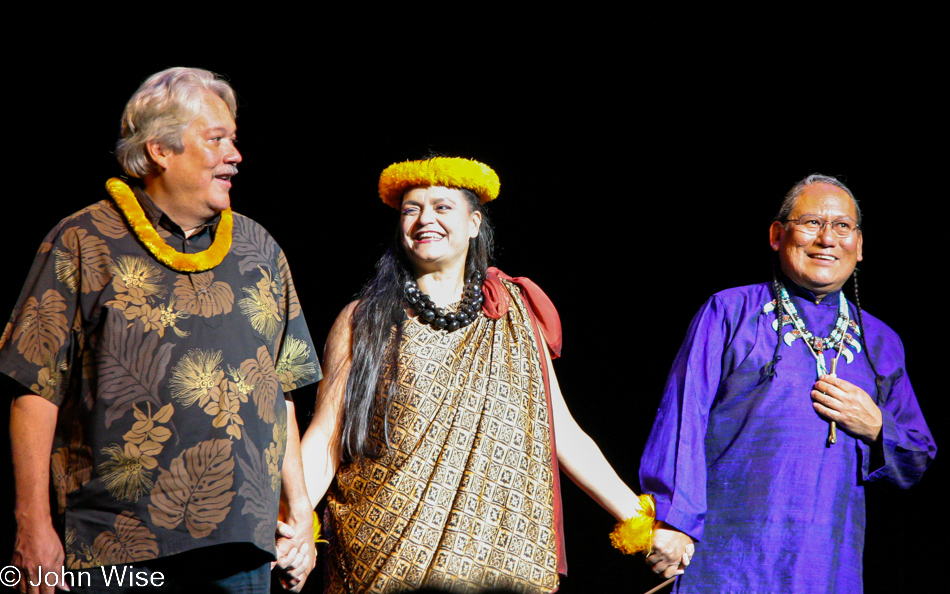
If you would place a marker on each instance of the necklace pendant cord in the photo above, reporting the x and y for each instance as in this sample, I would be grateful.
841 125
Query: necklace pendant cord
838 335
832 426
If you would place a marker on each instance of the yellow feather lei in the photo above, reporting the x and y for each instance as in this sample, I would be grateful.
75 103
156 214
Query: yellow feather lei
164 253
634 535
451 172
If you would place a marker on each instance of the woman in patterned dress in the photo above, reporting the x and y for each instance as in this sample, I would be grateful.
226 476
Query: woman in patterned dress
433 436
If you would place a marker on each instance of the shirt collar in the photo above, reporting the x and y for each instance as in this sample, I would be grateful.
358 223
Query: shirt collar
829 300
158 218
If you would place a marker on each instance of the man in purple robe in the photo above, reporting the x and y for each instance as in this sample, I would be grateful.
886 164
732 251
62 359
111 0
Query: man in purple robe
784 400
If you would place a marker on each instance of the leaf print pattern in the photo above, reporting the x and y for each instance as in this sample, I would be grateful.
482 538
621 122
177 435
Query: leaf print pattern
294 364
131 365
70 468
274 454
258 496
107 221
84 261
261 305
293 304
261 373
199 294
7 329
132 541
196 378
42 328
147 430
104 332
195 489
252 244
225 413
49 380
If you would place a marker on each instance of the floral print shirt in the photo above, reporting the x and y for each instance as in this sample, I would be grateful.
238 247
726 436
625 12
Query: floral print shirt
172 423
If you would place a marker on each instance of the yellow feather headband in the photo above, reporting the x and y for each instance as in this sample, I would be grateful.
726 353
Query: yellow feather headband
450 172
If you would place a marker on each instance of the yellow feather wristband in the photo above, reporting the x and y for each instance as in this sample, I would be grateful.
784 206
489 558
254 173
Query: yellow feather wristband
634 535
317 528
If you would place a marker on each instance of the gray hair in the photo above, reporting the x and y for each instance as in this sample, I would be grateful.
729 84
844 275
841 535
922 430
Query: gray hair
788 204
161 109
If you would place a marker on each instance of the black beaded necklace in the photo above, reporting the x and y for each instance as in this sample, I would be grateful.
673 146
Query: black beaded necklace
437 317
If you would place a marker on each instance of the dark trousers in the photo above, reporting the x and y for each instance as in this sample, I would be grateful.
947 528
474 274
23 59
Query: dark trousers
229 568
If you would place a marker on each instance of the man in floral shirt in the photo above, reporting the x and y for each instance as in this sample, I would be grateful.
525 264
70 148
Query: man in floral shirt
157 337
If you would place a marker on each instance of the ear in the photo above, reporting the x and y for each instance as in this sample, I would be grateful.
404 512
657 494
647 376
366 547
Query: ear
157 153
776 231
860 246
476 225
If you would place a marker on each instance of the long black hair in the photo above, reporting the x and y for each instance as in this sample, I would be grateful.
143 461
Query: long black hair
377 330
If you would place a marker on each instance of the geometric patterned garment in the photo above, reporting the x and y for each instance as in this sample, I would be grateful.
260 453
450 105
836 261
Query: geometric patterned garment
172 423
463 498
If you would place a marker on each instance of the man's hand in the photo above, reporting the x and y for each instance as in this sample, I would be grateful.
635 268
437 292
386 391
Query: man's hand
672 551
37 546
296 553
847 405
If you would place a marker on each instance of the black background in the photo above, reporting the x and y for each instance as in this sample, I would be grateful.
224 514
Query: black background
640 163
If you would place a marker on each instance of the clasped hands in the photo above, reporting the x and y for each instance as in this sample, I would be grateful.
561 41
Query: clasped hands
671 551
296 554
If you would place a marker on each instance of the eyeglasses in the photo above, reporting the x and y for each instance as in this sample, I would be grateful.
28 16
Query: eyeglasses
810 224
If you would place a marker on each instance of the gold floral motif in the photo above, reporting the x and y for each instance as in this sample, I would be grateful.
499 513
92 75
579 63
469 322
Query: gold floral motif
159 318
84 261
126 474
135 280
67 269
239 383
197 378
294 363
261 305
69 541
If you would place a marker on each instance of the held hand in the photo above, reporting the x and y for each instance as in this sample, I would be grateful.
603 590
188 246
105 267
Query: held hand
37 546
672 551
847 405
296 553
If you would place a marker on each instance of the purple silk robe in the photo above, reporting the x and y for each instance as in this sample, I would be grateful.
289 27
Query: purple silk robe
740 462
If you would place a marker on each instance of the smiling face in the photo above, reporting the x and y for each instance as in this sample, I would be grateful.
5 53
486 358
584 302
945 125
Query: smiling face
436 225
198 179
823 262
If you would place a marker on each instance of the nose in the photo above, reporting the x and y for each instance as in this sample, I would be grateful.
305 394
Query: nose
426 215
233 156
826 236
